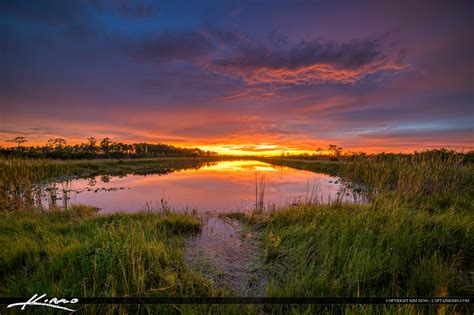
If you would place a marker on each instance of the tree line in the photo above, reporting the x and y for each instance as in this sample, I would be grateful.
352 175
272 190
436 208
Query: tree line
58 148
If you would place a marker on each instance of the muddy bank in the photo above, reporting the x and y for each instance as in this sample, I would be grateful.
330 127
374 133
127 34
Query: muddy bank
229 257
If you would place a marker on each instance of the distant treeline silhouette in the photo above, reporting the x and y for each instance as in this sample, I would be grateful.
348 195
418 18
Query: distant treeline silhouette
442 154
58 148
335 153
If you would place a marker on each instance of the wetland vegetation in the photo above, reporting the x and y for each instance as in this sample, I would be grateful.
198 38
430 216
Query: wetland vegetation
414 238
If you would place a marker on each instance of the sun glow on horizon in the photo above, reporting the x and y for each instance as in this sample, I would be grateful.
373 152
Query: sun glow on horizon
240 165
251 149
248 148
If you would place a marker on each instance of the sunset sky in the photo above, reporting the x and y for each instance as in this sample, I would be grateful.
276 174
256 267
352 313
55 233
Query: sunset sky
240 76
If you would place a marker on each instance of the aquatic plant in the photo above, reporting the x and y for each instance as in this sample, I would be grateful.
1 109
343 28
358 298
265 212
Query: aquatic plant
261 180
22 181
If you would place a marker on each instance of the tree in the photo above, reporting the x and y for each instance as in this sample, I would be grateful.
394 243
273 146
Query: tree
92 141
91 146
336 151
57 143
58 148
104 145
18 140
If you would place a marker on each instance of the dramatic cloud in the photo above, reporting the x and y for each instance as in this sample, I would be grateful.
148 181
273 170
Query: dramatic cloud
272 61
245 77
309 62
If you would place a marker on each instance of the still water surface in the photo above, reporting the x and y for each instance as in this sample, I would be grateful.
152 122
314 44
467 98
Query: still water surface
223 186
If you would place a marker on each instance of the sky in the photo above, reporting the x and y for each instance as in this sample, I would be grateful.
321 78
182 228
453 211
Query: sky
240 77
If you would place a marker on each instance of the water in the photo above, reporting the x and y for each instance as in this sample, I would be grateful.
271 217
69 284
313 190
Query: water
222 187
231 259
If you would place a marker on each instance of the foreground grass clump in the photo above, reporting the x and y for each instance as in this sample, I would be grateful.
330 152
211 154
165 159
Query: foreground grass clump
383 249
343 250
80 253
414 238
430 173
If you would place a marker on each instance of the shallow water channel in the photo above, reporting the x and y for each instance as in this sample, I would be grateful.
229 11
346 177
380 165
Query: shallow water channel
231 258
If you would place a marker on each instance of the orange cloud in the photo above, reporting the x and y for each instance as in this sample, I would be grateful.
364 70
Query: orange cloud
313 74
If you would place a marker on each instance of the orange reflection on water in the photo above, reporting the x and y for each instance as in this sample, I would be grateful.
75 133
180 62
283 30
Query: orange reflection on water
224 186
239 166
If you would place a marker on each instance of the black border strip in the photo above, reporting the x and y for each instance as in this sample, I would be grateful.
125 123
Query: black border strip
256 300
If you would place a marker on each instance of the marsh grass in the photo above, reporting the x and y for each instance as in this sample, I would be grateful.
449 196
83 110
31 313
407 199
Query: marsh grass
381 249
22 181
415 237
261 180
413 175
80 253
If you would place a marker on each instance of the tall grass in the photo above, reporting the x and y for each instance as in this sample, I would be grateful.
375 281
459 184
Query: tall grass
313 193
78 253
380 249
371 250
22 181
261 181
413 175
415 237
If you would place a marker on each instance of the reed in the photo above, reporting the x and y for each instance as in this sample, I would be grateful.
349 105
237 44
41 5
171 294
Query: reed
413 175
414 238
22 181
83 254
261 180
381 249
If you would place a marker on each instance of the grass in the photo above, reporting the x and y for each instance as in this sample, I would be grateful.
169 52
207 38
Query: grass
382 249
415 238
79 253
261 181
21 180
414 176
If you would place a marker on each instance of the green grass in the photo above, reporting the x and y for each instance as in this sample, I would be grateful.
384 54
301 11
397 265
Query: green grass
413 176
415 237
371 250
20 180
382 249
79 253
